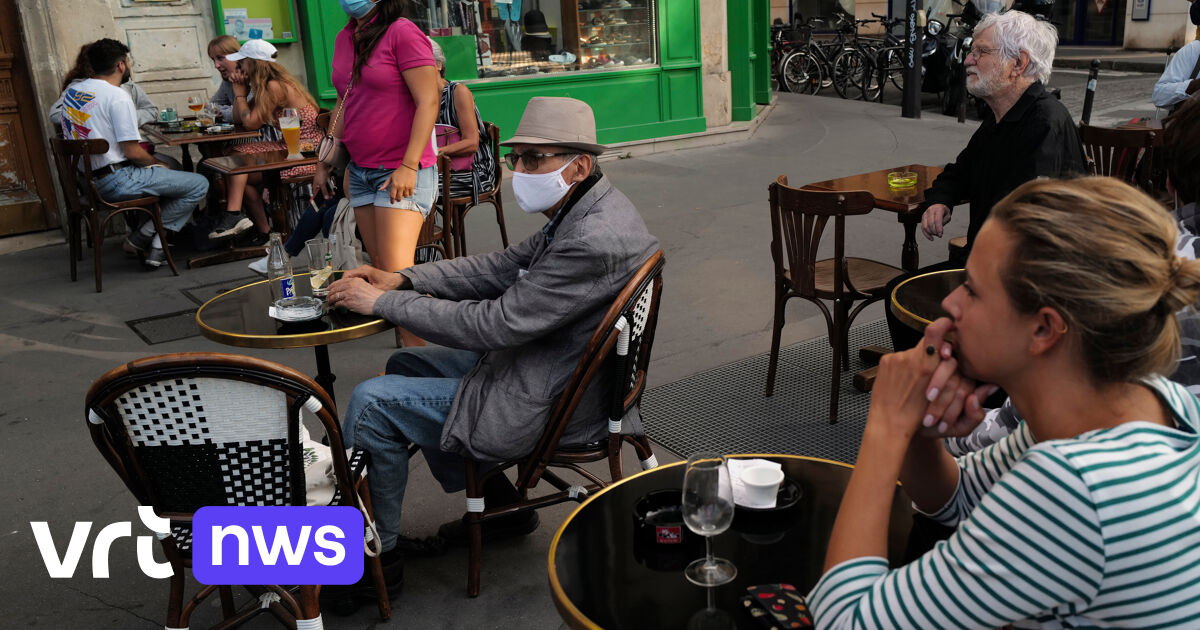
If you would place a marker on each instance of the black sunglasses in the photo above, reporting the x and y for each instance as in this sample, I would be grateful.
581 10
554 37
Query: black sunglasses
531 159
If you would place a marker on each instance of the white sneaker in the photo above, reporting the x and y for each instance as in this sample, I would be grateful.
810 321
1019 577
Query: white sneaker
259 266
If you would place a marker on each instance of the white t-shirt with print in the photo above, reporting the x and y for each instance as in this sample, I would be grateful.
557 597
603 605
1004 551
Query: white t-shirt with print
94 108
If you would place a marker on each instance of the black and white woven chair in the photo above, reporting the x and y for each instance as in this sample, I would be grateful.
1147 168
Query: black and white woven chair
189 430
622 344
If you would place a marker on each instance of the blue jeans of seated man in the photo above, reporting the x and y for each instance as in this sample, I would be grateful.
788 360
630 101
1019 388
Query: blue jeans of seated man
407 405
178 191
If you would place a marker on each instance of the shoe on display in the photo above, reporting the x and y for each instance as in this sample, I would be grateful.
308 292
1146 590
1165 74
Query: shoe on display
564 57
156 258
623 4
230 224
259 266
137 243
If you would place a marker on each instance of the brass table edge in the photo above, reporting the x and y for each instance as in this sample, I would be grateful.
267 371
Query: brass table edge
570 613
904 315
302 340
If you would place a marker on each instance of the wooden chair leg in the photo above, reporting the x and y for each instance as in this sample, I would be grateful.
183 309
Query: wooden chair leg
460 220
97 240
310 608
500 218
776 333
844 340
76 247
227 608
375 565
641 444
175 601
474 531
836 335
615 472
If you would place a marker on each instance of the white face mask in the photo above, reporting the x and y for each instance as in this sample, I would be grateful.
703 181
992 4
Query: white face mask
538 192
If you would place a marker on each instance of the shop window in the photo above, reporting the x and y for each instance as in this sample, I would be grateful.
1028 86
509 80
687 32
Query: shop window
529 37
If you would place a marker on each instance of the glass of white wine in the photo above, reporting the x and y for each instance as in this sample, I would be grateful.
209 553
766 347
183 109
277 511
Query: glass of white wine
708 511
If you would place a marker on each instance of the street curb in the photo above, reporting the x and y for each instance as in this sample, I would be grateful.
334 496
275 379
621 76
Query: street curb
1128 65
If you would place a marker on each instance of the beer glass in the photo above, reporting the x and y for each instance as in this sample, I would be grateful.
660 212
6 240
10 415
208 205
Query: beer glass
289 126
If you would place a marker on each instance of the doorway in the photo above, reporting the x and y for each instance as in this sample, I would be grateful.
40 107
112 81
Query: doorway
1090 22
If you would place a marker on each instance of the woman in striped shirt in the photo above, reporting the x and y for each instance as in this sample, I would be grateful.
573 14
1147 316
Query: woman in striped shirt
1086 515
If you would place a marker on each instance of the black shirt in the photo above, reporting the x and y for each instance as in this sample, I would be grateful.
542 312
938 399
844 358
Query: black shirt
1036 138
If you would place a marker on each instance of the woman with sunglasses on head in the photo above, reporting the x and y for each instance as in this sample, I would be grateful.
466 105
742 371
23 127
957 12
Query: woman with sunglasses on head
275 89
1086 515
388 98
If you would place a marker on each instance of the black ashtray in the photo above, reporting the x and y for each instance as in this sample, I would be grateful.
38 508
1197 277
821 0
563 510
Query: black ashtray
767 525
661 540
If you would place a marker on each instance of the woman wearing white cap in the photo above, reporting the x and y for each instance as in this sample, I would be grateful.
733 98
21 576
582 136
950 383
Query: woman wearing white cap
274 88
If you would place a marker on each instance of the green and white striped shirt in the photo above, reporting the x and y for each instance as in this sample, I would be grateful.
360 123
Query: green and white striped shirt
1100 530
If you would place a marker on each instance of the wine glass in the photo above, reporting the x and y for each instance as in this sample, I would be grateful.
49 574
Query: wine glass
708 511
195 103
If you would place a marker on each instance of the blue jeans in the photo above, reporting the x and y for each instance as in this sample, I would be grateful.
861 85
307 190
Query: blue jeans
365 190
407 405
178 191
307 227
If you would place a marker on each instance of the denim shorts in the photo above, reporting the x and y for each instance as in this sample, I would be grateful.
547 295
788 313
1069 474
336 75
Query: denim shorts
365 184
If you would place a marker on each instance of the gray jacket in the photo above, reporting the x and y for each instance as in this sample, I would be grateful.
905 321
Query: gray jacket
531 310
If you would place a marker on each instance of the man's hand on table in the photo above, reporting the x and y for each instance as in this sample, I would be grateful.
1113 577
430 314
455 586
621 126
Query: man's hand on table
933 219
360 288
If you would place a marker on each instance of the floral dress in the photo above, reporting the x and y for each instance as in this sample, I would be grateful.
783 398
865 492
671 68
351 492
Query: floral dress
271 139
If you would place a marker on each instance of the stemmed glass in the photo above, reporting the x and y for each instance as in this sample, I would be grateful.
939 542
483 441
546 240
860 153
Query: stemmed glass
195 103
708 511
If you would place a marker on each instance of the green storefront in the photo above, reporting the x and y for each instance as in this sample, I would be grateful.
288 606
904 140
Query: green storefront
636 62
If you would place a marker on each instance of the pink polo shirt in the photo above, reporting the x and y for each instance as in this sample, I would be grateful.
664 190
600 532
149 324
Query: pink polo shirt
377 116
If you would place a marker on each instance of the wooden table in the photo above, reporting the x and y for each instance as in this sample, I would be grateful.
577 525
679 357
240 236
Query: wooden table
905 202
603 575
918 300
157 134
269 164
239 318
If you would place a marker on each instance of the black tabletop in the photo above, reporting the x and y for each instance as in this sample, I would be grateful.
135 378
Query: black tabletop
240 318
918 300
607 572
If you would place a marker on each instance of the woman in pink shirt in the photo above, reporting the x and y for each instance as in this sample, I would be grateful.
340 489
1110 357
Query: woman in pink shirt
388 88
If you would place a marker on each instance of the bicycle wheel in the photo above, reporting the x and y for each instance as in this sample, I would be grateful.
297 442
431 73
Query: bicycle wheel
848 68
801 74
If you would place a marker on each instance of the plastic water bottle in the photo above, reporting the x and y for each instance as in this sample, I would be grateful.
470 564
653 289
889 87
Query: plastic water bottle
279 271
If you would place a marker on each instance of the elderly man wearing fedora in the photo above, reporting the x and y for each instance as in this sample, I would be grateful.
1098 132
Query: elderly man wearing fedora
509 326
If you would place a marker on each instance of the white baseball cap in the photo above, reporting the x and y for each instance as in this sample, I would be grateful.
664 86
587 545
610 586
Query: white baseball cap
254 49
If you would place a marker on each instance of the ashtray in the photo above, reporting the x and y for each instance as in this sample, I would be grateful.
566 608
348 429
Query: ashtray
661 540
300 309
902 179
770 521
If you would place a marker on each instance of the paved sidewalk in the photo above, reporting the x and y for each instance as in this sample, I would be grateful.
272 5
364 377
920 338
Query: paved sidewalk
707 205
1111 58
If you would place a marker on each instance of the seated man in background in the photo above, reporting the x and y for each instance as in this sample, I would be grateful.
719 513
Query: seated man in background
511 325
1181 153
147 111
1029 134
98 108
1181 78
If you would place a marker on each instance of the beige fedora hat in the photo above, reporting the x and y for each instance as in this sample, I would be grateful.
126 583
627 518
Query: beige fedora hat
561 121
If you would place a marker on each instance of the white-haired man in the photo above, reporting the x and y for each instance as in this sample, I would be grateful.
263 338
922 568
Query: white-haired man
1029 134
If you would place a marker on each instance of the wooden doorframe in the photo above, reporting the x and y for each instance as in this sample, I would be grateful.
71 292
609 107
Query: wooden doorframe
24 100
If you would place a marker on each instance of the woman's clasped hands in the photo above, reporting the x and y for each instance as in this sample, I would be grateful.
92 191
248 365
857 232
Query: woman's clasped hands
922 391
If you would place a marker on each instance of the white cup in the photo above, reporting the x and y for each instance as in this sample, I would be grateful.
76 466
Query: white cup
762 484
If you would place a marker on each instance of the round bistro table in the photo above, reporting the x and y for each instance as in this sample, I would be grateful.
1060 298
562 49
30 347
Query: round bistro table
240 318
599 579
918 300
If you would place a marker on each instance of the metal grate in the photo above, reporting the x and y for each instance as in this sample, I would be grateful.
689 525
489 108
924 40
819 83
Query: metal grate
205 292
164 328
724 409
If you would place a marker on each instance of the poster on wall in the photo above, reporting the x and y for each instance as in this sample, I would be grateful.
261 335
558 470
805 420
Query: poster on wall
1140 11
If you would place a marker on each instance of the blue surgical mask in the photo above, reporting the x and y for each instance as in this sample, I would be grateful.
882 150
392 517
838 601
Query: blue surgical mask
357 8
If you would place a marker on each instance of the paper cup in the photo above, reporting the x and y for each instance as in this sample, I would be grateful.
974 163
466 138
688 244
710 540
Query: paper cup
762 483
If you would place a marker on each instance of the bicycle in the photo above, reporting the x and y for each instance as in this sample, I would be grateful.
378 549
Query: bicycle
856 68
809 68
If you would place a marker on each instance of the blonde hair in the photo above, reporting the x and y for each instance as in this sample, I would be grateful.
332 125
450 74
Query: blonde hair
259 74
1102 254
223 45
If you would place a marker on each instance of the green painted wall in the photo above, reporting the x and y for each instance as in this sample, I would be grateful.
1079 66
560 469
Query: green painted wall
633 104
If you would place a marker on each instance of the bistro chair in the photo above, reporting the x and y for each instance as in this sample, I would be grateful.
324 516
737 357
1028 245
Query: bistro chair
1126 154
189 430
72 158
620 346
798 218
455 209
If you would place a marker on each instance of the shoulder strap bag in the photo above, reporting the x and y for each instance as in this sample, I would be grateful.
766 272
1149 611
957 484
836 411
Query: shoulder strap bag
330 151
